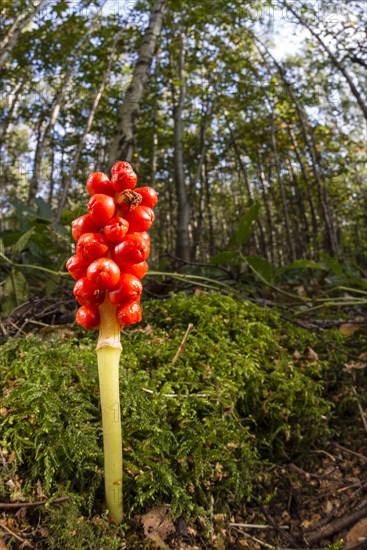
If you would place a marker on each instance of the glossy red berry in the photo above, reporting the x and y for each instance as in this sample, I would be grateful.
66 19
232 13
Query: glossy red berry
91 246
101 208
139 270
116 229
88 317
129 314
132 250
140 219
87 293
83 224
123 176
127 290
77 267
98 182
104 273
148 195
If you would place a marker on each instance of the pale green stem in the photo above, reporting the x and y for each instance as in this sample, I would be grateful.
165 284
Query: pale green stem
108 354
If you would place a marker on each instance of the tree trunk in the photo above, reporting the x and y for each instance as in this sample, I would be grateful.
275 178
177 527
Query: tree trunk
183 205
55 109
88 126
122 146
14 32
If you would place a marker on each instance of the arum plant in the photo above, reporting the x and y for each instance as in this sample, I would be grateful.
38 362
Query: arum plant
112 245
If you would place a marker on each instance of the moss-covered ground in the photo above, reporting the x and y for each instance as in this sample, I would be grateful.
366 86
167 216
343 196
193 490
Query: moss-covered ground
248 394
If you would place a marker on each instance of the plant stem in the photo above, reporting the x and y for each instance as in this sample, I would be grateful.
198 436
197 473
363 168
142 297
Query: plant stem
108 354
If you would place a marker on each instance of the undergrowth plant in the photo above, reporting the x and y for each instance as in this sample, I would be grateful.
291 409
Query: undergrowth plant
196 430
112 245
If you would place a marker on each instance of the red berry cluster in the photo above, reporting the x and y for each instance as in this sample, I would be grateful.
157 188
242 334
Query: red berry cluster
112 246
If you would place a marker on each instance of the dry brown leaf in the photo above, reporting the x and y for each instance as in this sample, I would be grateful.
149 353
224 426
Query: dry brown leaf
357 534
3 545
312 355
297 355
158 525
348 328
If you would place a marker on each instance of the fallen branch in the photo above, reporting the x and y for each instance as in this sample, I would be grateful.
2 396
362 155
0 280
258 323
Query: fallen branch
7 505
336 526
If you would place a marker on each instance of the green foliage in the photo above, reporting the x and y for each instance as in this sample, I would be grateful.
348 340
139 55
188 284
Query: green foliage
37 242
194 432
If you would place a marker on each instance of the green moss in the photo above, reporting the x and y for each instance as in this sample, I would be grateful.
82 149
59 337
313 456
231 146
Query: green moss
240 398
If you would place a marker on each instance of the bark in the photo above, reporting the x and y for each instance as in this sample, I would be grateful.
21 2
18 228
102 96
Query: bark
335 61
16 93
122 146
183 205
9 41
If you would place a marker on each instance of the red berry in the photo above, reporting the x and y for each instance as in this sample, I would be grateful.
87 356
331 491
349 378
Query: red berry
132 250
149 196
127 290
116 229
88 317
83 224
92 246
98 182
129 314
87 293
101 208
123 176
140 219
77 267
139 270
104 273
144 235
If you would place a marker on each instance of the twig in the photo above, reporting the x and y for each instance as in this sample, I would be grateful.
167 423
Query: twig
359 455
336 526
288 538
360 408
14 534
258 526
266 544
182 345
7 505
3 330
151 392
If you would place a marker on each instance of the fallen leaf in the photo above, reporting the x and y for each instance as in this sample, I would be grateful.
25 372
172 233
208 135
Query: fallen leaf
158 525
312 355
357 534
3 545
348 329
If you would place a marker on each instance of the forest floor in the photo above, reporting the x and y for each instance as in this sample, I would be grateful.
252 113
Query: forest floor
273 457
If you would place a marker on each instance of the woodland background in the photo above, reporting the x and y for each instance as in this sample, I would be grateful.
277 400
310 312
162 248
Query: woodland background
249 118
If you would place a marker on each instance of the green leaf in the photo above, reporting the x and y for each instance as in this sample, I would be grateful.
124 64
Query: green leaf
245 224
299 264
2 252
261 267
332 264
23 241
15 290
43 209
225 257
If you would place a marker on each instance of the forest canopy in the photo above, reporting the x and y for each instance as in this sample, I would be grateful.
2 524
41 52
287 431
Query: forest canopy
228 109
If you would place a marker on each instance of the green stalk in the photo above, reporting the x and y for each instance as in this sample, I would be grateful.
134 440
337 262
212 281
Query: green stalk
108 354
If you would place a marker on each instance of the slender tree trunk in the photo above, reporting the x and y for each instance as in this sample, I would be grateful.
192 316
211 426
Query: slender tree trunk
335 61
13 104
122 145
55 109
88 126
10 39
209 212
183 205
